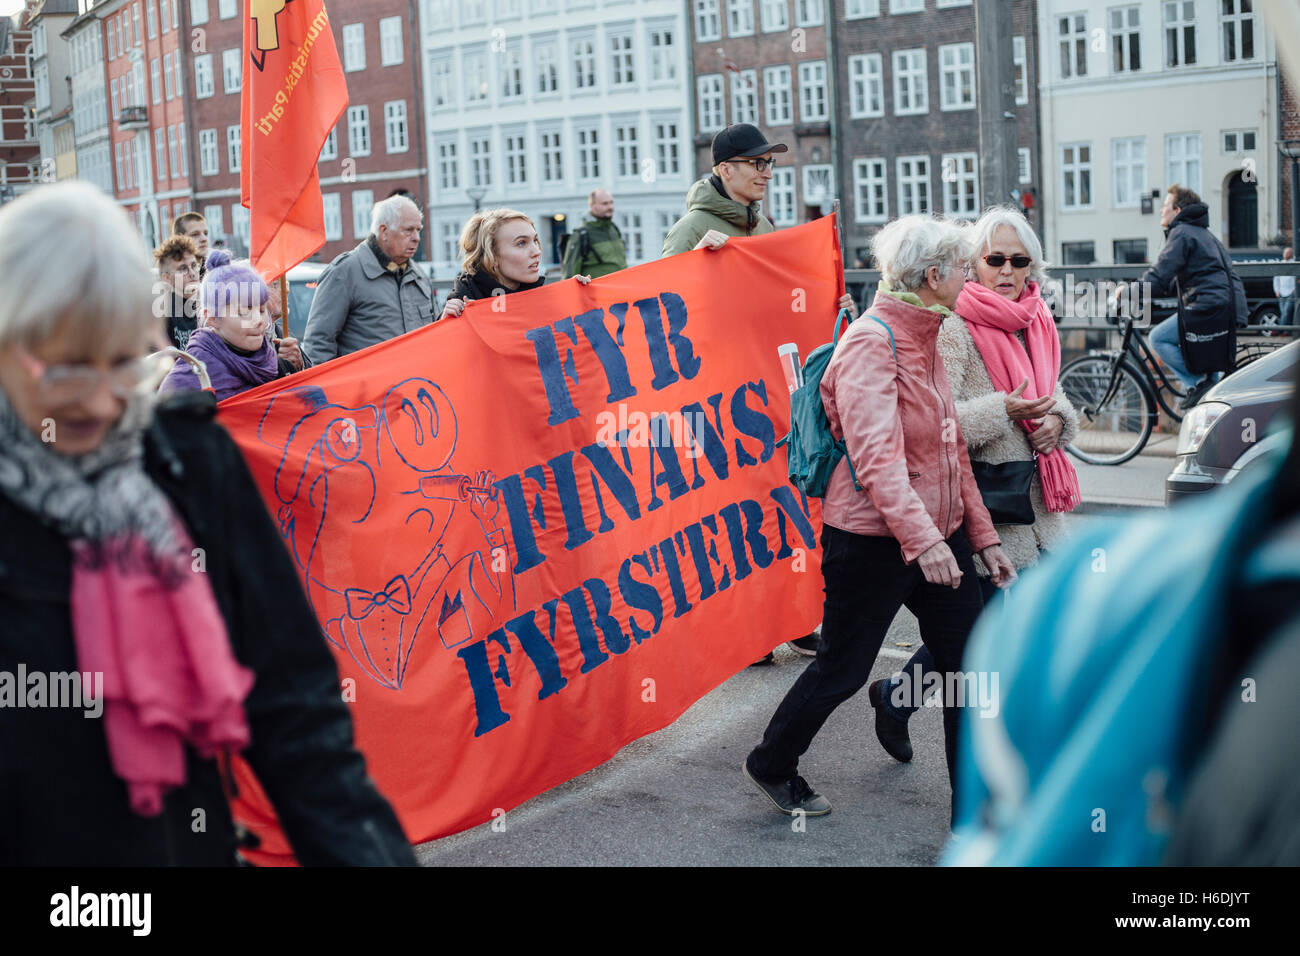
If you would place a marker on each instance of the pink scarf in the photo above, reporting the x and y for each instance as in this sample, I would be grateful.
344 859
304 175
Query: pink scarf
169 676
993 321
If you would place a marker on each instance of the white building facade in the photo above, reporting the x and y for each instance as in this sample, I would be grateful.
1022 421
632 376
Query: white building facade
1138 95
532 104
90 99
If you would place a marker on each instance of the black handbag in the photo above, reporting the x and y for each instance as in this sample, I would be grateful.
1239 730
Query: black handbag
1005 489
1208 340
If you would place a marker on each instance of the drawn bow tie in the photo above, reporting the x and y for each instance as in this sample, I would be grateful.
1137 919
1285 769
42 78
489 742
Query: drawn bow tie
396 594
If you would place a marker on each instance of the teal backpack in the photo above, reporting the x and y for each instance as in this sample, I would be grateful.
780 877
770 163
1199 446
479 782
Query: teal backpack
813 454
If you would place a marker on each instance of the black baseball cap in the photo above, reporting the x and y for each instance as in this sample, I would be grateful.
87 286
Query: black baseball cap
742 140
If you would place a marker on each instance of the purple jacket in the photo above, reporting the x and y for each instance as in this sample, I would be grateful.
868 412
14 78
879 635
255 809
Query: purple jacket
230 371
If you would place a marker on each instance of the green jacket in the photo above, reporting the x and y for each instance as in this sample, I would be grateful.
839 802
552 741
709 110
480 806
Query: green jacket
601 254
706 209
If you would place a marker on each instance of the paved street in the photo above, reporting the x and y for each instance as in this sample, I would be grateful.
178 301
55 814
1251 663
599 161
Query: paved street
677 797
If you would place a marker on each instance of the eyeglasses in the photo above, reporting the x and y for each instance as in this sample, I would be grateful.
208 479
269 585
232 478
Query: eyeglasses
997 261
68 384
760 165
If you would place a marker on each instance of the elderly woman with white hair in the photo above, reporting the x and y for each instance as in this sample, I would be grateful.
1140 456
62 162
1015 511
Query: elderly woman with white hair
1003 355
902 515
143 583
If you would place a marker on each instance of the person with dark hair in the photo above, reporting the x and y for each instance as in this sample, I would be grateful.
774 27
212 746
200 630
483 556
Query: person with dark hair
179 271
1194 264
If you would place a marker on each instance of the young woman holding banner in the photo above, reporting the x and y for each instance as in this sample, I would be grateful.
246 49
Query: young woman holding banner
907 538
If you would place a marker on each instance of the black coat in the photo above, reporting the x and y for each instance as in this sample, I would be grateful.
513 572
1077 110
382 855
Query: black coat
1192 261
480 285
60 802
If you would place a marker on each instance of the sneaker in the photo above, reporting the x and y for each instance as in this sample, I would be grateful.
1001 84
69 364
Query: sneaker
807 646
1196 393
890 731
792 795
768 658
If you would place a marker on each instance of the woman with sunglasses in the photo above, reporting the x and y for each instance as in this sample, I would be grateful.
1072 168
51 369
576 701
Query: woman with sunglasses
1003 355
152 616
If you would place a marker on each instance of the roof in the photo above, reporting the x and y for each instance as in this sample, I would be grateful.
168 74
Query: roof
54 8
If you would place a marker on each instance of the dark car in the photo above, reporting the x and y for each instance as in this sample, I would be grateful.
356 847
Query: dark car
1237 426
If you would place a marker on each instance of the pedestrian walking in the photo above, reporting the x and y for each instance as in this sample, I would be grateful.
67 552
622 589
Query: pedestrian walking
1284 289
908 537
233 342
596 247
179 270
138 557
374 292
1211 298
502 254
1002 355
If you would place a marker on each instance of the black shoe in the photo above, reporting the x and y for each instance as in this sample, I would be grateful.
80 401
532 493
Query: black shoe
1196 393
791 796
767 658
807 646
890 731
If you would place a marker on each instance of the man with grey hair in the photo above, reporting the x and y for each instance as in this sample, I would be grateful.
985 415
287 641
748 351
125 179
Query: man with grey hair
372 293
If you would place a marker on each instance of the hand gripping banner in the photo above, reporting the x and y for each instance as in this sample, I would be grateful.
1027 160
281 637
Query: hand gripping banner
539 531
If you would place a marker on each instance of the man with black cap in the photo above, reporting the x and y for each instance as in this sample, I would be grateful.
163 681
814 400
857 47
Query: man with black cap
726 203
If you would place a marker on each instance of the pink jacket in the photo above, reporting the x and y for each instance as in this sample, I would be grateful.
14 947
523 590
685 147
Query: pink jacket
899 423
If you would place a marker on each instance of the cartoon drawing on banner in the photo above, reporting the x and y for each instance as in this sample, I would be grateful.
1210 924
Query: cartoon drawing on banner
391 463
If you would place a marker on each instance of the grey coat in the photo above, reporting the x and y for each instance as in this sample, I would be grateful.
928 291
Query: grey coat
358 304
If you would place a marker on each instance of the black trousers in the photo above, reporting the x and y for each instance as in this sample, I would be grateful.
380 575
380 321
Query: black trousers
867 582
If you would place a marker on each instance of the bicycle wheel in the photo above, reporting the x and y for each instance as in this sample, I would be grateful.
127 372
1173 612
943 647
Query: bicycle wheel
1114 424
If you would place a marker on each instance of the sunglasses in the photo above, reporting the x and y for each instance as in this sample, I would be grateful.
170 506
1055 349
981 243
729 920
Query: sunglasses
997 260
760 165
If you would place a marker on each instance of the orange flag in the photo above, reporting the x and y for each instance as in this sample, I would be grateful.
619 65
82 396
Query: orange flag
293 94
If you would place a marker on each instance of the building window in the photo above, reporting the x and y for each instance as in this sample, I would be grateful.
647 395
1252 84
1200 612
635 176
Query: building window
913 185
869 187
588 138
171 150
216 222
516 160
176 68
1239 141
1183 160
552 157
232 69
627 150
441 89
160 152
232 148
708 23
395 127
476 81
1180 32
622 69
780 203
226 9
808 13
666 148
198 12
1130 251
712 112
358 130
744 97
952 3
1076 176
390 41
1026 172
472 11
448 165
812 92
957 76
1072 37
354 49
480 160
1129 170
1077 254
961 191
906 6
155 80
512 73
1125 39
866 85
1238 30
167 76
239 222
582 51
333 217
911 93
1020 59
740 18
663 55
547 68
633 236
203 76
449 242
776 88
363 203
774 15
209 161
331 148
182 143
151 16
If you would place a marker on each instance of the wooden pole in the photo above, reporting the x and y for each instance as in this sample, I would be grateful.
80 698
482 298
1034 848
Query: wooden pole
284 306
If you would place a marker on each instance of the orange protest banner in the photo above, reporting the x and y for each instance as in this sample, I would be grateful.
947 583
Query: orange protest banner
539 531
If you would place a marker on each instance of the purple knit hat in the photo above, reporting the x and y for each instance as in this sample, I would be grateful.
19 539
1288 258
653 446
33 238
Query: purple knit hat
227 284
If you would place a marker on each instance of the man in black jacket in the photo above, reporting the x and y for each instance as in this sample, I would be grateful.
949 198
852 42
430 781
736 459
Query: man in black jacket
1194 263
176 295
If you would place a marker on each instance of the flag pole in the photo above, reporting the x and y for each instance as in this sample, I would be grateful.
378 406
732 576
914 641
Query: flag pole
284 307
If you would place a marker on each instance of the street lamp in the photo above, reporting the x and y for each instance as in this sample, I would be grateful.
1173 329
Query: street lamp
1290 148
476 193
